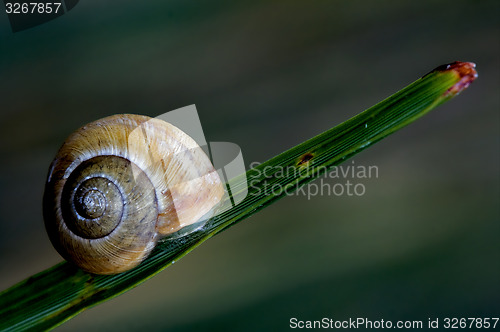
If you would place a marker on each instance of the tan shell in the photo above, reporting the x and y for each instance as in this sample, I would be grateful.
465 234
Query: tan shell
118 184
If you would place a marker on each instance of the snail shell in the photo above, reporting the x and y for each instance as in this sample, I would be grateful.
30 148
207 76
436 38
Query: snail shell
120 183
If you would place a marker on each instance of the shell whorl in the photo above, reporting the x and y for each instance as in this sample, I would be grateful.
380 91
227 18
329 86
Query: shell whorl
119 183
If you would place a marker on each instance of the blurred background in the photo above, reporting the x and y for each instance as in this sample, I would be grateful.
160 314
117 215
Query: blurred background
422 242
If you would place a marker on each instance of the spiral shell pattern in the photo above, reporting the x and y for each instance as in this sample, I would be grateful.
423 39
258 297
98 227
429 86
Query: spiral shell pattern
120 183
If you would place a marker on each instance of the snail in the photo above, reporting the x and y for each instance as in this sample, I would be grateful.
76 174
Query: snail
119 184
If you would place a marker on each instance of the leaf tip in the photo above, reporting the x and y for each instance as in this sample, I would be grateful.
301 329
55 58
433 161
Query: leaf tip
466 73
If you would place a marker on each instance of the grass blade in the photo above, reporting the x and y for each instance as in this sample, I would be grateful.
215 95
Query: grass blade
53 296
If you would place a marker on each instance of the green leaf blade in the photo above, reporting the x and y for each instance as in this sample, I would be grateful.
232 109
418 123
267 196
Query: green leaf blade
53 296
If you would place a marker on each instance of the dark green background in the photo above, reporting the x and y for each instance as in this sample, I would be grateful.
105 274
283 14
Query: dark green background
423 242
